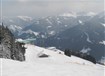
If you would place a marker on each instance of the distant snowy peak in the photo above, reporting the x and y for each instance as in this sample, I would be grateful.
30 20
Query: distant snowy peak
71 14
14 28
91 14
25 18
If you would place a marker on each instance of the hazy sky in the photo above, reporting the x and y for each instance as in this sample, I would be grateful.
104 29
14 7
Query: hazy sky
38 8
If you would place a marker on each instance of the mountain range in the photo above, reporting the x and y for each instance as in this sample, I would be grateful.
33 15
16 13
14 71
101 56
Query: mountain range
75 31
87 37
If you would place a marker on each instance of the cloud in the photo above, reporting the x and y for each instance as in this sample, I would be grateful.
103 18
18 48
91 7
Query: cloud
23 0
49 7
58 0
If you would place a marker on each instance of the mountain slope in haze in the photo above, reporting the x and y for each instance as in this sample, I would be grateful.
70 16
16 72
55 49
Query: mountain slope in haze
54 65
87 37
52 25
16 24
49 26
46 26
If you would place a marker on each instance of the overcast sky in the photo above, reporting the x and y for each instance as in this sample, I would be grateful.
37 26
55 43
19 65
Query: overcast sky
39 8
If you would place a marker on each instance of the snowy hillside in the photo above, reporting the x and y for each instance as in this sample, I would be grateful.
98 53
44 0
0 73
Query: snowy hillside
55 63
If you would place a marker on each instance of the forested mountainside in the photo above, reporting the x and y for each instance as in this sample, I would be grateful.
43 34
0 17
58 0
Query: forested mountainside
10 49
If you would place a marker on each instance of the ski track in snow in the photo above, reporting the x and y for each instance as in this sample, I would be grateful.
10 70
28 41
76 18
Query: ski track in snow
55 65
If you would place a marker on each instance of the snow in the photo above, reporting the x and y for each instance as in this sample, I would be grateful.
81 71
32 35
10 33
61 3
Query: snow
88 39
36 33
43 36
65 25
53 49
103 24
29 32
49 27
85 50
59 22
52 32
25 18
25 40
102 60
72 14
14 28
80 22
55 65
91 14
102 42
49 21
32 52
19 40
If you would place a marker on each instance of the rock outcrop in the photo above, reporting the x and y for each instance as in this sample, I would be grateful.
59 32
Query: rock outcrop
8 47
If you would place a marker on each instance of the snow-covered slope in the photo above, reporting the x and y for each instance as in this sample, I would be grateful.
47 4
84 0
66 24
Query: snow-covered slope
33 52
56 64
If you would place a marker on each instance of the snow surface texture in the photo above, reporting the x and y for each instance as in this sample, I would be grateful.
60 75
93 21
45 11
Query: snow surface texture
56 64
